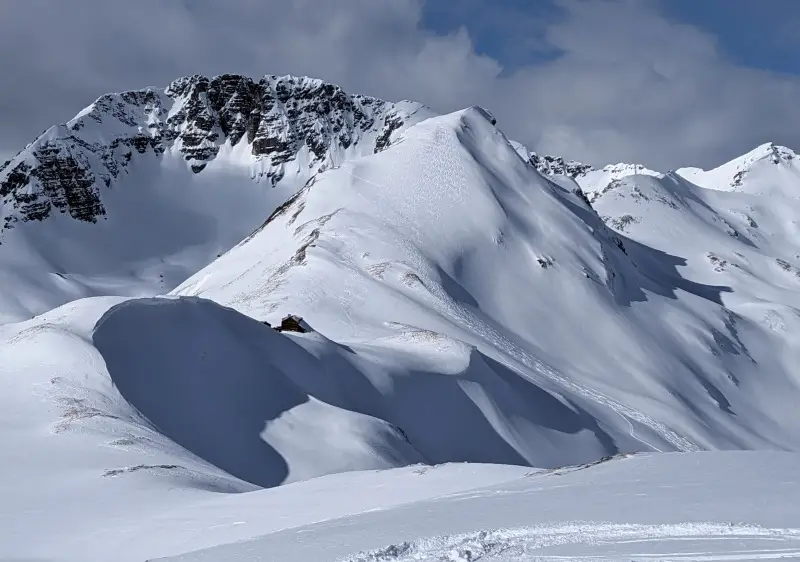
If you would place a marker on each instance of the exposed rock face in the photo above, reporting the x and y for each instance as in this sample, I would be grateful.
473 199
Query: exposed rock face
292 323
279 118
556 165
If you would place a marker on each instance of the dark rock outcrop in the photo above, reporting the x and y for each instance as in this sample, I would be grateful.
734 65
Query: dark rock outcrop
556 165
67 168
292 323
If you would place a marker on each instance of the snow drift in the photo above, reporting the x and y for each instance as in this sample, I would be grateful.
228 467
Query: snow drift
229 389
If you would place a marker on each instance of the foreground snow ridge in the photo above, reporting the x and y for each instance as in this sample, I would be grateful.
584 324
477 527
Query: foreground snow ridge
600 541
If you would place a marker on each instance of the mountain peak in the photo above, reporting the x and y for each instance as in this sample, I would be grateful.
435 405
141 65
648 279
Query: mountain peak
276 128
769 151
774 152
755 166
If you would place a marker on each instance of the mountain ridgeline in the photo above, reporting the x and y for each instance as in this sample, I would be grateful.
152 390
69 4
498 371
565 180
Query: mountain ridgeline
270 121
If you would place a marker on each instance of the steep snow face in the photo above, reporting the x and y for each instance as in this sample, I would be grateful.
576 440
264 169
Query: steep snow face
766 170
143 188
451 234
746 245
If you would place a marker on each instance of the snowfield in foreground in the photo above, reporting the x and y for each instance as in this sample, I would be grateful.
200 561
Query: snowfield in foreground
691 506
474 327
450 236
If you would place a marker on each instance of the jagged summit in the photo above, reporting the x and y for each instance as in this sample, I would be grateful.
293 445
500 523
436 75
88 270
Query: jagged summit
557 165
277 127
143 188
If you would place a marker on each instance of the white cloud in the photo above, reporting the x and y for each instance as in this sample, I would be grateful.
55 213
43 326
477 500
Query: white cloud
628 84
632 85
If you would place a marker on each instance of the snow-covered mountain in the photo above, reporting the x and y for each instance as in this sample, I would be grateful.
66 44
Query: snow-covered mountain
406 247
143 188
765 170
463 301
593 181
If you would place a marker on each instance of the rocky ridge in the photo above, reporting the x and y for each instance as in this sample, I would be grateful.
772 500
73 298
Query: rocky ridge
556 165
269 123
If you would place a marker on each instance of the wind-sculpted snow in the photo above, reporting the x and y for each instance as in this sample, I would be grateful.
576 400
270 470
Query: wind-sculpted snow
230 390
240 395
190 389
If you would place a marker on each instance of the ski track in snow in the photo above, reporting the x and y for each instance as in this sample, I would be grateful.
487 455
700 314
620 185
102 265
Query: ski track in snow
466 319
606 541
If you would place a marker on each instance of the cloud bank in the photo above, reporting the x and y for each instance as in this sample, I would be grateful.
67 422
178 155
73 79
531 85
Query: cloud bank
622 82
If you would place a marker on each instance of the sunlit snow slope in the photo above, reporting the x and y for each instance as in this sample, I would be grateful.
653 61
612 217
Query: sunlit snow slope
675 507
464 305
143 188
451 236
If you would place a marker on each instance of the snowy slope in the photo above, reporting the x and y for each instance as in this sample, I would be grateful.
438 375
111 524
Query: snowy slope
766 170
187 387
451 234
467 301
143 188
747 244
699 506
400 255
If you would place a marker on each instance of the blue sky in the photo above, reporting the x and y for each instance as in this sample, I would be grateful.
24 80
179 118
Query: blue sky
510 31
757 33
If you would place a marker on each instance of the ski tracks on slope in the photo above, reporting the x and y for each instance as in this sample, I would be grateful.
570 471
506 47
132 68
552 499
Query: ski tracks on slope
467 320
597 542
